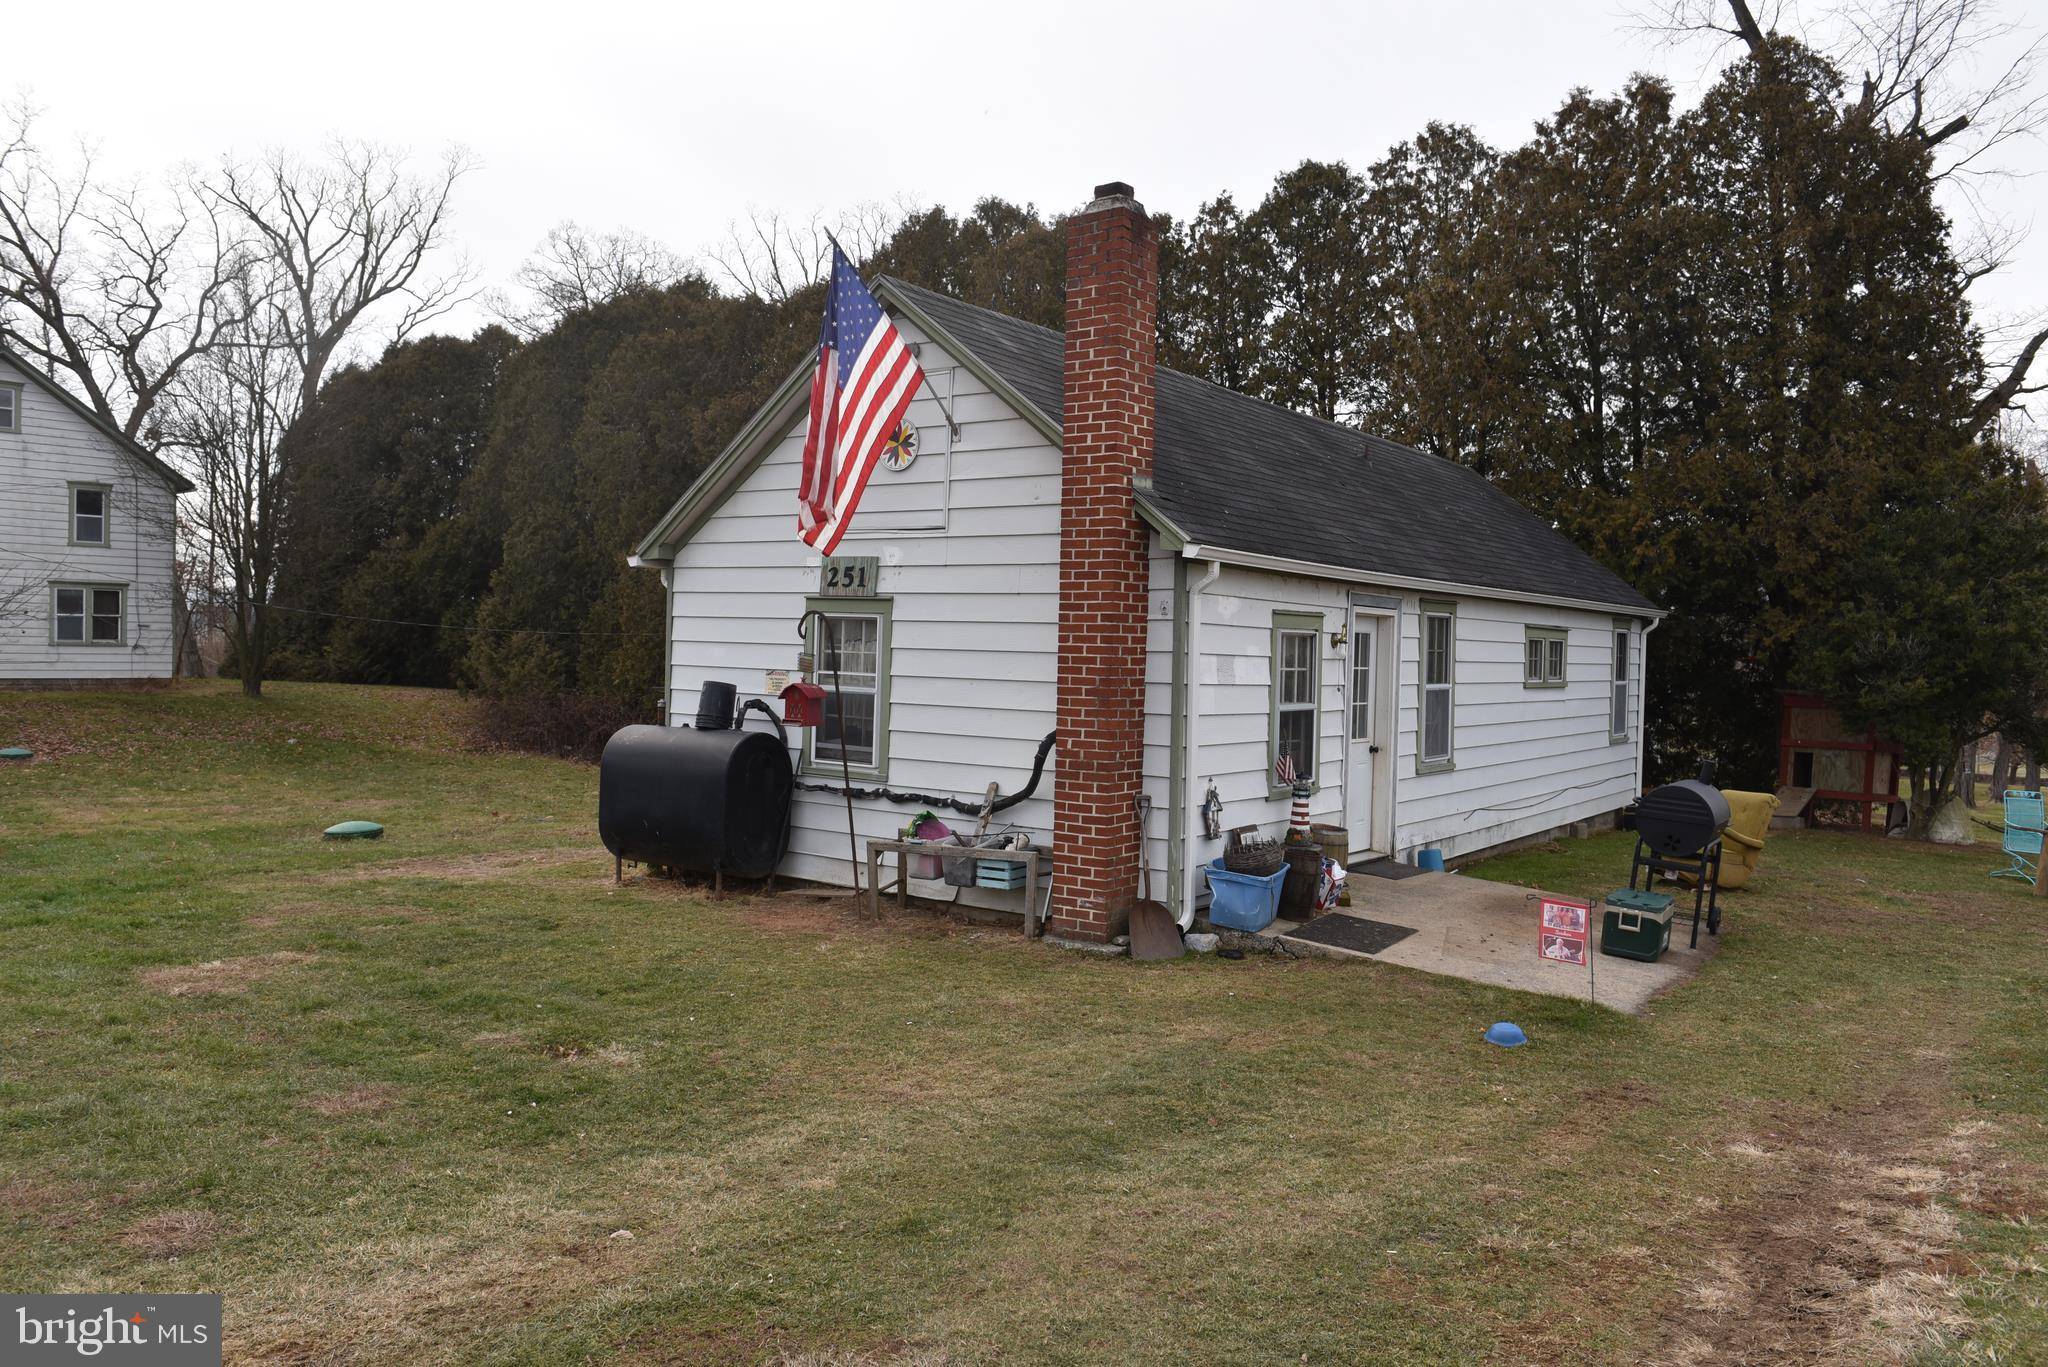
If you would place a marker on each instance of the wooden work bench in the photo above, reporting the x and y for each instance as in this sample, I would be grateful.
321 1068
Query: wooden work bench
903 849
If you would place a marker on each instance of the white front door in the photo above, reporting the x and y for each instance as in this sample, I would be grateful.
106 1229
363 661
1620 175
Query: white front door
1363 729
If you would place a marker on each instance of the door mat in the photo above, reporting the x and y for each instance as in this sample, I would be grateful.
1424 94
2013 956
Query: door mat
1352 932
1387 868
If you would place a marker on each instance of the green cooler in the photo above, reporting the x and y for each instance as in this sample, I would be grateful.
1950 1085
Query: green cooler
1637 925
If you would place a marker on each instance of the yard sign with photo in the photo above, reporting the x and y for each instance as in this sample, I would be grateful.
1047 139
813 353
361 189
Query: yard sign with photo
1561 935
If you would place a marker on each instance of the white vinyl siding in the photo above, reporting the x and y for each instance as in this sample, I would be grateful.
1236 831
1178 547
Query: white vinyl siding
47 457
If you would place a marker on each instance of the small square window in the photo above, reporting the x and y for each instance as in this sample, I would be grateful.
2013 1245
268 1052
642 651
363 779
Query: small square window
1543 657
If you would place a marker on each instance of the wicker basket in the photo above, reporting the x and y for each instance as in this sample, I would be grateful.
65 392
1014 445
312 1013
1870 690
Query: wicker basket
1254 855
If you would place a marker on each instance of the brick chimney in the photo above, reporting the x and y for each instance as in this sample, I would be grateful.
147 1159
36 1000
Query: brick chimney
1112 301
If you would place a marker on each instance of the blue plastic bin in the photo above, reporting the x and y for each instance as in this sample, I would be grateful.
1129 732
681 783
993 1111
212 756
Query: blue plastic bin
1243 901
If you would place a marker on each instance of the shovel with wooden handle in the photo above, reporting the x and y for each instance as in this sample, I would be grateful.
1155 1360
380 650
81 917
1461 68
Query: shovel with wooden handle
1155 934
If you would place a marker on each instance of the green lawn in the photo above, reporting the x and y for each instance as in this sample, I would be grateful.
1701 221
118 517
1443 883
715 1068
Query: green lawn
454 1097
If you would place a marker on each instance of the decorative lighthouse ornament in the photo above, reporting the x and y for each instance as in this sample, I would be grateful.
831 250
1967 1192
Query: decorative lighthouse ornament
1297 814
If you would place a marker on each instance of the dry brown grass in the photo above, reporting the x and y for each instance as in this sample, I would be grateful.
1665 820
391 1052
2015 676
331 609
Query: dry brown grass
174 1233
466 868
218 977
369 1098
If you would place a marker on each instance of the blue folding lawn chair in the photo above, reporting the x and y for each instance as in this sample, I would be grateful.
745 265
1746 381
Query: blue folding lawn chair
2023 831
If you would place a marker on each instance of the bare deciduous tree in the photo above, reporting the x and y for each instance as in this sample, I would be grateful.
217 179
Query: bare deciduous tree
339 238
774 256
336 245
112 290
577 269
227 418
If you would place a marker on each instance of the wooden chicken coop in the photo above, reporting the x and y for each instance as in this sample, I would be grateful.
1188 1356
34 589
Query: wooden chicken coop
1823 760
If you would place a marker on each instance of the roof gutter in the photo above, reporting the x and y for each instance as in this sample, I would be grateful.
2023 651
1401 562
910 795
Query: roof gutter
1313 570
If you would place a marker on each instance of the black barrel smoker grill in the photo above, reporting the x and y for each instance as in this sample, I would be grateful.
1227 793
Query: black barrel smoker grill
713 798
1678 830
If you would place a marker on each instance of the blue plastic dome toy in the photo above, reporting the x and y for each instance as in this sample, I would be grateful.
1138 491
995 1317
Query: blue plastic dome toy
1506 1034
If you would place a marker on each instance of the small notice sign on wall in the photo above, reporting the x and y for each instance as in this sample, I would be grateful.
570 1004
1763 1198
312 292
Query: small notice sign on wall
849 576
1562 931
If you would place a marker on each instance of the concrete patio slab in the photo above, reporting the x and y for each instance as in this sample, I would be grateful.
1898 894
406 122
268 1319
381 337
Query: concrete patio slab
1486 933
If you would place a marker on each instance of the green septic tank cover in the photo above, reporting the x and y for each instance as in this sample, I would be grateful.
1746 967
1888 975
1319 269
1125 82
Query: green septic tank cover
353 830
15 752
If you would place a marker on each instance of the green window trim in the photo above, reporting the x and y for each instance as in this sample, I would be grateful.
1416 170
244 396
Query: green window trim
1621 676
1285 624
10 410
87 613
1431 608
885 609
71 513
1548 649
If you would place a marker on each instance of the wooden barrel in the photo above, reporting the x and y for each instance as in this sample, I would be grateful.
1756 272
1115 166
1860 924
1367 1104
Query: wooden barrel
1304 871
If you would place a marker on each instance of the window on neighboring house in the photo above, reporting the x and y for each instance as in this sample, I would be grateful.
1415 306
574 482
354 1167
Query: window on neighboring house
83 614
10 408
856 695
88 515
1297 684
1543 658
1439 646
1617 719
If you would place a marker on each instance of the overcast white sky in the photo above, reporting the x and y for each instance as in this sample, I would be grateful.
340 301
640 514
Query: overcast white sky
673 119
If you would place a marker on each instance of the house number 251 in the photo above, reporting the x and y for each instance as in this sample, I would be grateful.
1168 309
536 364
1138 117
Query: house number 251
849 576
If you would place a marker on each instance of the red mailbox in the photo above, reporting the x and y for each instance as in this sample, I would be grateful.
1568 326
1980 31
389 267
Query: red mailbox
803 704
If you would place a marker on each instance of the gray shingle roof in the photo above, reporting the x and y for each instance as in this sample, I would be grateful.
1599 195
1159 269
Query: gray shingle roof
1236 473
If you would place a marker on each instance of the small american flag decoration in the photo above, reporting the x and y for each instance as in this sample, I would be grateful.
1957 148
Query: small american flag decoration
863 386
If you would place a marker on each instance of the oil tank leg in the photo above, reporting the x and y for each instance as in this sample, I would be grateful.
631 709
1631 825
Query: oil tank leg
717 882
618 868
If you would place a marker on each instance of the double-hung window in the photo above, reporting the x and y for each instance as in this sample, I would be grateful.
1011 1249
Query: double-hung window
10 408
851 645
1543 657
1439 665
87 614
88 514
1297 684
1617 715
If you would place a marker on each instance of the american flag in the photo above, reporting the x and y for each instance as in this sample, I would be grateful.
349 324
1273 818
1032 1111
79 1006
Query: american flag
866 377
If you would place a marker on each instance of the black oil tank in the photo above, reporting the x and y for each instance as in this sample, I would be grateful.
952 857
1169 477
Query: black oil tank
708 801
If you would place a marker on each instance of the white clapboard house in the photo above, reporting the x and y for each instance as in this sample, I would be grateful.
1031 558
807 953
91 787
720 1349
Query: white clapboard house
1183 582
87 523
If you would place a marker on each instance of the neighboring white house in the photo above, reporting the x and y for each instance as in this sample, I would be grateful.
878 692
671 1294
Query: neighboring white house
87 524
1240 581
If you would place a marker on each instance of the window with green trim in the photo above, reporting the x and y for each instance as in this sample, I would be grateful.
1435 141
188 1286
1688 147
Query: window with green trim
853 635
88 614
1617 718
1543 658
1297 689
1439 663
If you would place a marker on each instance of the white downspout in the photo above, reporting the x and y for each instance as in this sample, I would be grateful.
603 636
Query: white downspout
1643 707
1191 825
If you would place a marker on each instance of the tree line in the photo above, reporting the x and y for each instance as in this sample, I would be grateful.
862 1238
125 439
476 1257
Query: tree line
1729 349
